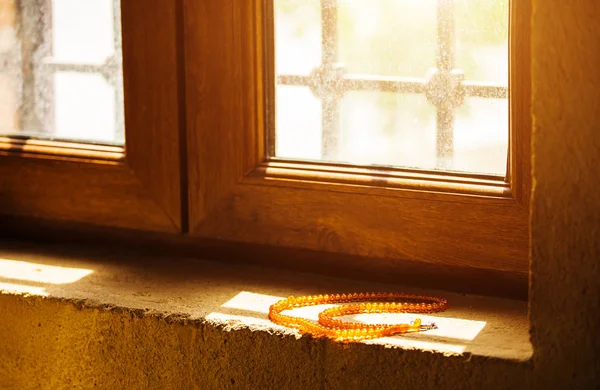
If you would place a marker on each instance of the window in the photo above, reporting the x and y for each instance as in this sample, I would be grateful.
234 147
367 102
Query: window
320 202
67 94
205 153
421 84
66 69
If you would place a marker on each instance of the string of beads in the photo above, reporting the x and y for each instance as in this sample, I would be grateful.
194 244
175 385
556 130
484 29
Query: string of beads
357 303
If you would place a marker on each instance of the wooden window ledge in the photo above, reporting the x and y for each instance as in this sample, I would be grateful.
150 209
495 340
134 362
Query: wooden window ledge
194 324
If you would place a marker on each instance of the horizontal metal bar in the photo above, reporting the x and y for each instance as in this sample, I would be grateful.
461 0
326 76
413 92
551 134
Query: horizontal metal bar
110 69
357 82
477 89
384 84
57 66
294 80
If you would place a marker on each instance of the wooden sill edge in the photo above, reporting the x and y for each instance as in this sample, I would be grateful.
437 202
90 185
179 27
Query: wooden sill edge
71 151
382 179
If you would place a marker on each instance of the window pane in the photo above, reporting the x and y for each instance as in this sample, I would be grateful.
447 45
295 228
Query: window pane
407 83
383 128
482 48
298 26
299 118
400 36
480 142
61 71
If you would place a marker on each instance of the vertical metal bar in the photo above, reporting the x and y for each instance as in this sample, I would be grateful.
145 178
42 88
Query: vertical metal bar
117 77
330 105
10 61
30 33
445 64
47 91
329 38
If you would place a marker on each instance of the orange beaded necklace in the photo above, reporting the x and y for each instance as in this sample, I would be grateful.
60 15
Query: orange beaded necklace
328 326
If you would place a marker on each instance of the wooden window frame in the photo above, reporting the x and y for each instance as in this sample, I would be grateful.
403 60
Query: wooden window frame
137 186
389 216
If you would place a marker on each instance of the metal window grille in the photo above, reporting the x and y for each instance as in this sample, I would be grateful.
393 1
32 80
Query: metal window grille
37 67
445 88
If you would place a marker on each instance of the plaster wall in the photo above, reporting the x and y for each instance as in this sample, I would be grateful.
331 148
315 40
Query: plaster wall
565 225
50 343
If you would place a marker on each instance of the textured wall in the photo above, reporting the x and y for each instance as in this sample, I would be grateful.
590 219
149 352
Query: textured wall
55 344
565 289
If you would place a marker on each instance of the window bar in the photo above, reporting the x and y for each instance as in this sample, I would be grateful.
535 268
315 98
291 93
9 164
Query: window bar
10 58
330 101
359 82
116 76
30 33
445 65
46 92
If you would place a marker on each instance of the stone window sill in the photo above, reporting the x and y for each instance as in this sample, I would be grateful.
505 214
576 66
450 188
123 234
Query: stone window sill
223 300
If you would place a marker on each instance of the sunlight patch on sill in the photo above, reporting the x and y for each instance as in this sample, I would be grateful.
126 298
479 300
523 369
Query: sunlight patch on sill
251 301
406 343
237 322
234 322
22 289
448 327
41 273
455 328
